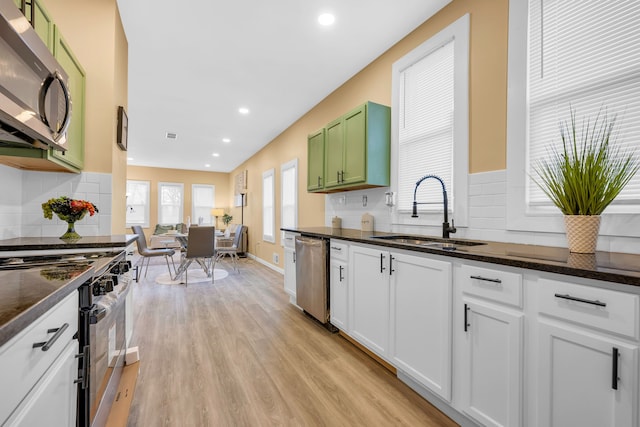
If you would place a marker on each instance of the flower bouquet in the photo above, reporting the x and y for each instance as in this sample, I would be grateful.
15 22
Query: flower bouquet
69 210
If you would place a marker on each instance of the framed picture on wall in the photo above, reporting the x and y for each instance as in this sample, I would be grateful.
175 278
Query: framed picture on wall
123 128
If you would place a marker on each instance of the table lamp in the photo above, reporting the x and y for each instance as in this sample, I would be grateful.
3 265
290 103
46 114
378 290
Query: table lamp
217 212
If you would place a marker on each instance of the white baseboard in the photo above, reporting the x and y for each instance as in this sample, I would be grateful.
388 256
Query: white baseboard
266 264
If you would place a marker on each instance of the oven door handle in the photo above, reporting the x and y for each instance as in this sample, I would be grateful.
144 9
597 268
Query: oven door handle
84 373
97 314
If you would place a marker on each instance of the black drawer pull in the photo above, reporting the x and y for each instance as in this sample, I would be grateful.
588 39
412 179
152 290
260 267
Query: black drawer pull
614 368
486 279
336 248
466 317
340 276
48 344
382 267
586 301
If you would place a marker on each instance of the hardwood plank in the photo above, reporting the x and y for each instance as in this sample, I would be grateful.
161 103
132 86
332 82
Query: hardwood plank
236 353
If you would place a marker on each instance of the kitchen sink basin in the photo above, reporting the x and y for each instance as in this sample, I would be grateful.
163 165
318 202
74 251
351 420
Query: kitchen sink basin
430 242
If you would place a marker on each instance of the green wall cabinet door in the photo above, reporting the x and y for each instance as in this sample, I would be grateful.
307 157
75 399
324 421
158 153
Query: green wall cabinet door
41 21
333 153
315 161
74 156
357 149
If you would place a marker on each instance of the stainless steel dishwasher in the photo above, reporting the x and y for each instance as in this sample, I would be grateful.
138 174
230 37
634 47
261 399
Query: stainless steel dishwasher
312 277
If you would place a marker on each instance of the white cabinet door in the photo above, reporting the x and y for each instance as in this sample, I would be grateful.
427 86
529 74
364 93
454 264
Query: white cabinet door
421 292
577 378
290 272
369 298
52 402
339 295
491 371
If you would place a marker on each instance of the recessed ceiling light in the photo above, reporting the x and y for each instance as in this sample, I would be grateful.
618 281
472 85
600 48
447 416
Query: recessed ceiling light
243 110
207 165
172 135
326 19
216 155
226 140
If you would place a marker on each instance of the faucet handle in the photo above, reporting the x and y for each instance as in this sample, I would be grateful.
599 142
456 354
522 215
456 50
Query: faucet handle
452 229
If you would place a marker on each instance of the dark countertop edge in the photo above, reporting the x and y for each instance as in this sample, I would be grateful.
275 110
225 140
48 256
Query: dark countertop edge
618 276
21 244
30 315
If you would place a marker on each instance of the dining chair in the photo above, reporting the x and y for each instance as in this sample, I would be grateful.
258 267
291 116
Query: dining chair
200 246
148 253
232 250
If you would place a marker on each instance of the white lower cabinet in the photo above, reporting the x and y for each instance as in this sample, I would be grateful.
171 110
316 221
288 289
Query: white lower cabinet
585 379
491 369
421 320
339 294
52 402
290 272
369 298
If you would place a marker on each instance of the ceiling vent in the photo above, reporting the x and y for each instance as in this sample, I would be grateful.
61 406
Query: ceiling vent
172 135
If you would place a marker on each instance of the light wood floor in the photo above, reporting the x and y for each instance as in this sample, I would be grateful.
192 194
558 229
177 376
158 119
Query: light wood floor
236 353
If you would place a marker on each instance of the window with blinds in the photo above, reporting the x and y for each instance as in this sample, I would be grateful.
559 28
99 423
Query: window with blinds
426 128
138 203
583 55
268 208
202 200
170 202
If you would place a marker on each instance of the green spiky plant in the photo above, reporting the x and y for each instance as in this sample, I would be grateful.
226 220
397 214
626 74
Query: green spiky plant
588 172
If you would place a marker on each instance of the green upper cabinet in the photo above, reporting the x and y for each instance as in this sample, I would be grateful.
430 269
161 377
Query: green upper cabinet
357 149
333 153
71 160
74 156
315 161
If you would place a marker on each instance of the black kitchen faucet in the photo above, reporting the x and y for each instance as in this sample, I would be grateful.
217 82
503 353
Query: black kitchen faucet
446 228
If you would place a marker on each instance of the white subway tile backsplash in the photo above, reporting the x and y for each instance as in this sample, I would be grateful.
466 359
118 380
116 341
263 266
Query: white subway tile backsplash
21 209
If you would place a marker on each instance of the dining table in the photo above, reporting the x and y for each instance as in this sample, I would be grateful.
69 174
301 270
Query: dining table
183 239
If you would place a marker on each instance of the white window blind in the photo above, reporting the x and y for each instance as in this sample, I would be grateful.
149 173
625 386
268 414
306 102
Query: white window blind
170 202
138 203
289 213
584 55
268 213
426 118
203 198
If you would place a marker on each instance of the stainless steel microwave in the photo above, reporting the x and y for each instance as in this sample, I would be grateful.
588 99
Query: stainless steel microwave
35 103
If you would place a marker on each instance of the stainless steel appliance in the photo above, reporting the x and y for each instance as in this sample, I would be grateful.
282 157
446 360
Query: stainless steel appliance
312 284
35 103
101 314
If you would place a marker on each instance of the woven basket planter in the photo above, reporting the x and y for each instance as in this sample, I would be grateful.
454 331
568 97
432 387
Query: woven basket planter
582 232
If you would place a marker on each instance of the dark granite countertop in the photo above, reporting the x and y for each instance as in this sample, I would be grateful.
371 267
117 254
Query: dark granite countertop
44 243
608 266
25 295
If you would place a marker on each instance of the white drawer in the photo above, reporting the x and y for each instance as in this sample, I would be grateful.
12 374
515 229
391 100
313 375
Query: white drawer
494 285
598 308
22 365
339 250
290 239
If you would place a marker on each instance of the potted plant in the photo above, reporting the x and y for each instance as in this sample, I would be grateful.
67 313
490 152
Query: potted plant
584 176
226 218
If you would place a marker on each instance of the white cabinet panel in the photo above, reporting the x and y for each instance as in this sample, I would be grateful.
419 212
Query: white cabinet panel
421 320
491 371
339 295
290 272
576 379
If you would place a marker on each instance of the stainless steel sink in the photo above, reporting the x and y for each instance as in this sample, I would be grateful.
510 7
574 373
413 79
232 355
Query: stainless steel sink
431 242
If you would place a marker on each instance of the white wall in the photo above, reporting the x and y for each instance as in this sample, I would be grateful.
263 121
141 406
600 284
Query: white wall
487 216
24 192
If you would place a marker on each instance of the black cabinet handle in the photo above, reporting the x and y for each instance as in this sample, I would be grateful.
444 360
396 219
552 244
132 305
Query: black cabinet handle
294 257
46 345
338 176
614 368
318 181
382 267
486 279
586 301
466 317
340 276
391 270
342 176
335 248
84 374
